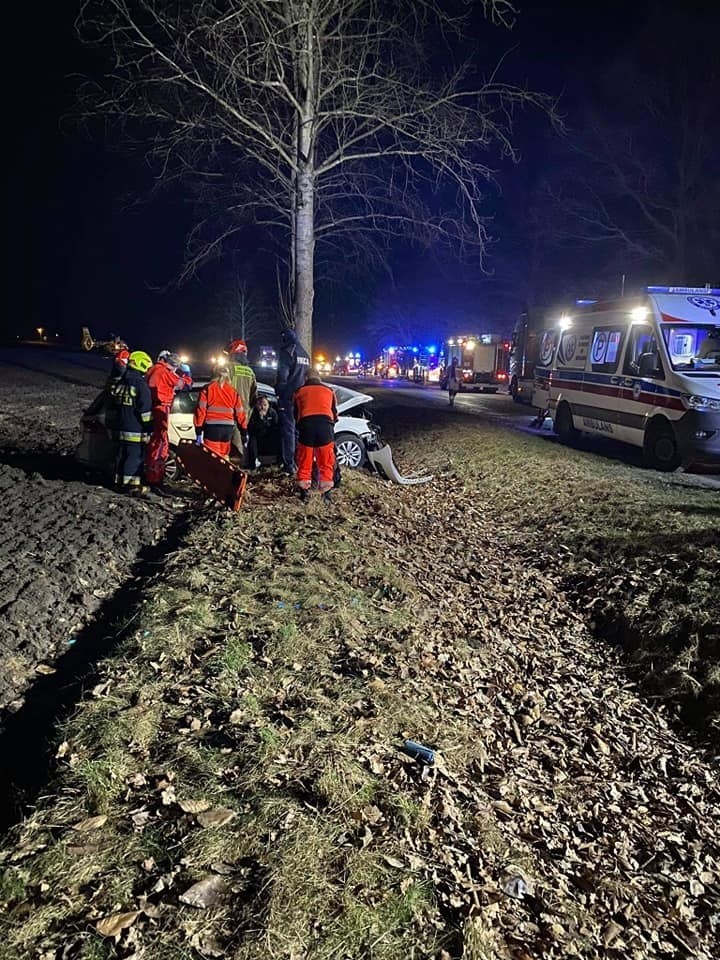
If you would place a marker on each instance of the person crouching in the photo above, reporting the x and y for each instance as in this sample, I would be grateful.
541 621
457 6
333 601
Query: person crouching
218 412
263 433
315 415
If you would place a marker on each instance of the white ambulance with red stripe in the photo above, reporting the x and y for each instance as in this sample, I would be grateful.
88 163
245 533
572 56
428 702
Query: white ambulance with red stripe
644 370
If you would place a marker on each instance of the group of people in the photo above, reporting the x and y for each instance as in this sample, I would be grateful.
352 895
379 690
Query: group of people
139 395
137 400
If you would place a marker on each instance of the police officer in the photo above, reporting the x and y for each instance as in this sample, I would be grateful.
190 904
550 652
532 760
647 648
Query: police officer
293 364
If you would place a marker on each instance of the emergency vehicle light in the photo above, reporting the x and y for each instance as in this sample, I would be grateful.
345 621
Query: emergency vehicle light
584 303
708 291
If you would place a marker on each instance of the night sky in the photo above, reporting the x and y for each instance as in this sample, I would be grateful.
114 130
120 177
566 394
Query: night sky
82 251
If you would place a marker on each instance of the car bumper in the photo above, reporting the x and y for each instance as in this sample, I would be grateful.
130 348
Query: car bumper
699 436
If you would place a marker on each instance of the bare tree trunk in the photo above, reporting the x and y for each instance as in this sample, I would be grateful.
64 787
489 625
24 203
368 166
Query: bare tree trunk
304 214
304 259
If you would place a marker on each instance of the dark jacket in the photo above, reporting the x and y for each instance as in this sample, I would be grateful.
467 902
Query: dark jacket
293 364
128 407
262 426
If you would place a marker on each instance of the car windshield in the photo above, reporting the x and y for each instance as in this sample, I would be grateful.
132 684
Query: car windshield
693 348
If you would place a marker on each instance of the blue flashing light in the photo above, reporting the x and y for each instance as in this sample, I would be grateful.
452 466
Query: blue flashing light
696 291
415 350
432 350
584 303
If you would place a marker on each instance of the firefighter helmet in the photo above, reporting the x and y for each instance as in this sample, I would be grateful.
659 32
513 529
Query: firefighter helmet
140 361
236 346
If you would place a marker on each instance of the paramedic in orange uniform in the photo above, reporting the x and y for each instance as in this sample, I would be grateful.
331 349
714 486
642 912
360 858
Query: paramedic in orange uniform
315 416
218 412
164 378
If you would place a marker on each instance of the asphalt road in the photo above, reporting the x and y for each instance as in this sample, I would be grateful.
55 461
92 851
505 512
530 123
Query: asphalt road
500 409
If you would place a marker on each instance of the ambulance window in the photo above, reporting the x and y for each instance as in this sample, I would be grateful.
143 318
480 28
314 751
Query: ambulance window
547 347
642 341
605 349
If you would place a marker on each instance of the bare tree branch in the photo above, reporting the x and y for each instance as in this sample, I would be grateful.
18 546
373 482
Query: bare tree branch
311 118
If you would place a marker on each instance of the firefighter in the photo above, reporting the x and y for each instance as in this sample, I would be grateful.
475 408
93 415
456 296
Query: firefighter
243 380
316 415
127 416
164 378
121 359
293 364
219 411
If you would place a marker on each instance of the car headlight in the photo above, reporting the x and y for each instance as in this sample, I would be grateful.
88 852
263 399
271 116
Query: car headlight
696 402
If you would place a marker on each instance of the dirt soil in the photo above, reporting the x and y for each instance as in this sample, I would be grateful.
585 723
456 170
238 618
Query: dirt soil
66 544
236 785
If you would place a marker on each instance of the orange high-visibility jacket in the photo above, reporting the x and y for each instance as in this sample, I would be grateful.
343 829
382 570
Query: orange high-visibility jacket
164 381
220 405
315 400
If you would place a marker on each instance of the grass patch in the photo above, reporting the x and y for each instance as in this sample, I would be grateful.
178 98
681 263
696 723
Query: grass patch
281 685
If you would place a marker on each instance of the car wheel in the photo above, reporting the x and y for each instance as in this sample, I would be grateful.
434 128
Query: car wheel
173 470
564 427
660 448
349 451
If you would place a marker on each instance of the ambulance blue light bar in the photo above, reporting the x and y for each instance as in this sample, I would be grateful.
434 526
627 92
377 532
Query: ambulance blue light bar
707 291
584 303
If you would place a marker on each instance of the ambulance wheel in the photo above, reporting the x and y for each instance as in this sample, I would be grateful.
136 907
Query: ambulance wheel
349 451
564 426
660 448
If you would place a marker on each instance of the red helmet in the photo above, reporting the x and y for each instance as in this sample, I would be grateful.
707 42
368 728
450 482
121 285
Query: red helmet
236 346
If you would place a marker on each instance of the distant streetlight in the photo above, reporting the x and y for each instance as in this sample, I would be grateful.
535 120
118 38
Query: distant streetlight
40 331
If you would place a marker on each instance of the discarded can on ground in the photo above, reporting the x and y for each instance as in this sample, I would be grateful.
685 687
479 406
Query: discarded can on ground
515 886
419 752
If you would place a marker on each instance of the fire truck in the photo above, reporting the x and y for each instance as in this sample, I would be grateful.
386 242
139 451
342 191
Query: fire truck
482 359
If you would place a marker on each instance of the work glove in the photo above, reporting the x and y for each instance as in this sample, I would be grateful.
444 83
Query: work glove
199 439
244 436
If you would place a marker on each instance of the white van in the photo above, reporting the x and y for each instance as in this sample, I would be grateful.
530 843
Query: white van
644 370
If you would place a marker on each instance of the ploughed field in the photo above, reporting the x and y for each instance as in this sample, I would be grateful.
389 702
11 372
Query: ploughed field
232 783
67 546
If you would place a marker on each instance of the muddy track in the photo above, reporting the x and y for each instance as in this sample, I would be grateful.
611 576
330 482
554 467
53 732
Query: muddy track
67 546
26 741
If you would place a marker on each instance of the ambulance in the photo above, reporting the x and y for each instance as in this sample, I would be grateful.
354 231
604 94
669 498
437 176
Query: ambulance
643 370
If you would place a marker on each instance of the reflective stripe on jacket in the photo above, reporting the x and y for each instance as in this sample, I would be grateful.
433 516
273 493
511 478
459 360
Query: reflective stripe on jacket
128 411
219 405
164 381
245 382
315 400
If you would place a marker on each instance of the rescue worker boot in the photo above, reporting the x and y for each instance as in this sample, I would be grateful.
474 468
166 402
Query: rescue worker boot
304 496
326 497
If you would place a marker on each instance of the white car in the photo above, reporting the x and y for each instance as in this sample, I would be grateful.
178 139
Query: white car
353 433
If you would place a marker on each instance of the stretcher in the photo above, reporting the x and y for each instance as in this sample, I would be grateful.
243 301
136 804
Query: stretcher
382 463
215 475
